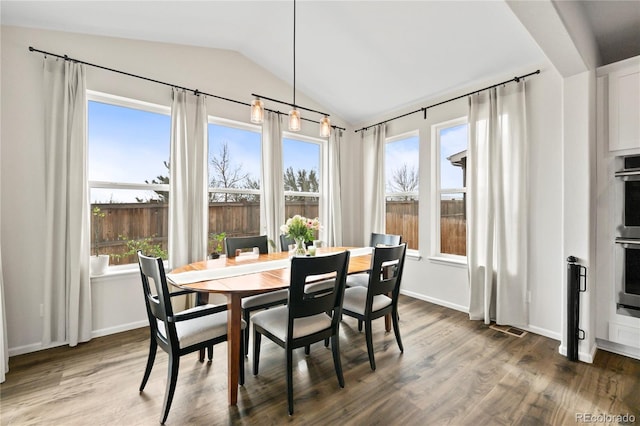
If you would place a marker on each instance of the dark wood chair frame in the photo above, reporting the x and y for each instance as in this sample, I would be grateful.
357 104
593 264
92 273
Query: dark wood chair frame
303 304
159 308
383 280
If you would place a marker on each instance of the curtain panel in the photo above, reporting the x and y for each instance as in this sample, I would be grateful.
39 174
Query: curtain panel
188 183
66 245
333 223
272 187
498 205
374 186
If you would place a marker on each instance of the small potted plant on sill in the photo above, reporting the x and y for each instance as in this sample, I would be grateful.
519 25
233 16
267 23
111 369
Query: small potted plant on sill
215 244
98 263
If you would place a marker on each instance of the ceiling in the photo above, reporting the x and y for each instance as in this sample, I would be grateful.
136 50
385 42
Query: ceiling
358 59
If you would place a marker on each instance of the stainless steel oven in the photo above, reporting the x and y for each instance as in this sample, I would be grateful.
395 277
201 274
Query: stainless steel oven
627 252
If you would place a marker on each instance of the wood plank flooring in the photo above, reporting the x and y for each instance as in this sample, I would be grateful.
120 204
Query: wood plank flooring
453 371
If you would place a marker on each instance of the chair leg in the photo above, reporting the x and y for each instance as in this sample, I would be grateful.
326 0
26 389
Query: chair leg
335 349
290 380
359 325
256 350
172 377
153 348
210 353
369 336
246 315
307 349
326 342
201 355
396 330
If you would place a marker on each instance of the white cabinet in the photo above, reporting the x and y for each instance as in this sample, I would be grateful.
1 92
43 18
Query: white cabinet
624 104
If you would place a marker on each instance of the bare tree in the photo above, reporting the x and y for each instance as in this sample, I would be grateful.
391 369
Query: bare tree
226 175
404 179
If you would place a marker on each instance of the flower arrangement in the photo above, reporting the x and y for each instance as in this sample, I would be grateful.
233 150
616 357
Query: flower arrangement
297 227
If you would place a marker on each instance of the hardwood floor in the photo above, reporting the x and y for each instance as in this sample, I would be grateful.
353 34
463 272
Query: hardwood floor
453 371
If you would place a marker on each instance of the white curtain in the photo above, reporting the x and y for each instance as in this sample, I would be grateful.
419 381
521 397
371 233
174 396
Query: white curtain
374 185
333 221
4 342
188 182
66 244
272 185
498 205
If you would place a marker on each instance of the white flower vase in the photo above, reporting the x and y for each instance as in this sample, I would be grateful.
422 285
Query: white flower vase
98 264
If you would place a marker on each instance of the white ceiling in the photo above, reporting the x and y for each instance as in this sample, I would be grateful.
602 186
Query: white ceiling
358 59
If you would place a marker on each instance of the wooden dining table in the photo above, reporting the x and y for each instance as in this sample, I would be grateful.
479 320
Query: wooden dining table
247 283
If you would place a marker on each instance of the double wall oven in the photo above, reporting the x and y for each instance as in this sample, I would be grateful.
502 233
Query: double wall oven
627 247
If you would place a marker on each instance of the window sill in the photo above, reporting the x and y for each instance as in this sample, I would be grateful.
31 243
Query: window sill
413 254
458 261
118 271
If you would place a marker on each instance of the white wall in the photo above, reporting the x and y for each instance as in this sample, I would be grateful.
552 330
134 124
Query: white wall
118 303
231 75
447 284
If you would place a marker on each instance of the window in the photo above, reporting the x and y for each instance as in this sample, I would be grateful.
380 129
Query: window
402 176
304 182
128 172
450 170
235 158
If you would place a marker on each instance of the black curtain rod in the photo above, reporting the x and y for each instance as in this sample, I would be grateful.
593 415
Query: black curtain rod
424 109
195 91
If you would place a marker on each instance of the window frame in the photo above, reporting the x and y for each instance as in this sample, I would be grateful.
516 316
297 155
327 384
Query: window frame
121 101
323 194
437 191
396 138
240 126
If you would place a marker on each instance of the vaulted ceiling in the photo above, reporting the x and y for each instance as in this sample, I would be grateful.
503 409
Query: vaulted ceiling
358 59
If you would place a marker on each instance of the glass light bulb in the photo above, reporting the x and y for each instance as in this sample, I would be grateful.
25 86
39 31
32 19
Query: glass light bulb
257 111
325 127
294 120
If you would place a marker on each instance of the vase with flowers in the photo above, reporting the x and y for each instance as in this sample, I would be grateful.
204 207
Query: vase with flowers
300 229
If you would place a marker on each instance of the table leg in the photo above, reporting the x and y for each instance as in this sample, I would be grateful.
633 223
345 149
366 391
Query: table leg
201 299
387 323
233 345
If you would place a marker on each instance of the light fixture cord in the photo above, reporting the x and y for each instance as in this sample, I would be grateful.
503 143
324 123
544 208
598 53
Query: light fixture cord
294 53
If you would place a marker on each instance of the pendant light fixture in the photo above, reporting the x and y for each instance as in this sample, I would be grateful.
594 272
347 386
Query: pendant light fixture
295 120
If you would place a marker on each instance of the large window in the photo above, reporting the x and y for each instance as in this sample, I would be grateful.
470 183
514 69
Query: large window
402 176
234 180
303 160
128 172
450 158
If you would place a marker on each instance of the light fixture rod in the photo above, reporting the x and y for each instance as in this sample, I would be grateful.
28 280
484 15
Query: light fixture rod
294 53
290 104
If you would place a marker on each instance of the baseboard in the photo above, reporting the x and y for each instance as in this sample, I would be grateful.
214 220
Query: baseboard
587 357
118 329
435 301
618 348
35 347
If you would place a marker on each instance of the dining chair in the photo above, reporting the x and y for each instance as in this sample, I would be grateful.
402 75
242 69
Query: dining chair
178 333
258 301
373 301
376 240
307 318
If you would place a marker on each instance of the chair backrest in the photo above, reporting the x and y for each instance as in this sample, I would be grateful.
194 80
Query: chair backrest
159 305
387 264
285 242
384 240
308 269
241 243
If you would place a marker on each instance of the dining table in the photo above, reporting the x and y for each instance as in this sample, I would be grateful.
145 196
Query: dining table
246 275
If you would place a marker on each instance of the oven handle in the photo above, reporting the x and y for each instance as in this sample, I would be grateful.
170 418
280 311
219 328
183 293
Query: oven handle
629 243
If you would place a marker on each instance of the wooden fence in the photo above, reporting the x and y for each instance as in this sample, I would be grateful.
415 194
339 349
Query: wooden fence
148 221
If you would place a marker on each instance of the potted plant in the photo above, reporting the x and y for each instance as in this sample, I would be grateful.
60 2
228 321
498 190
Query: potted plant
98 263
215 244
301 230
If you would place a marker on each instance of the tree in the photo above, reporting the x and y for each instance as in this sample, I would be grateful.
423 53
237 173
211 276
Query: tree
404 179
300 180
225 175
163 196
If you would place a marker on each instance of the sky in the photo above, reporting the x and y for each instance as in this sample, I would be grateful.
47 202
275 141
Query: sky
130 145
